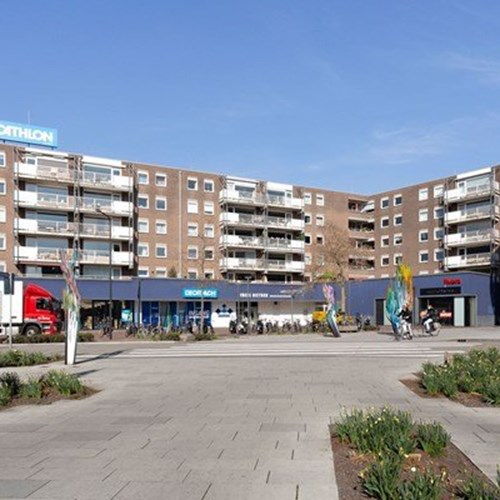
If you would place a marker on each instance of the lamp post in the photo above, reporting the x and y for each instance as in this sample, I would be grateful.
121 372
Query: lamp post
247 279
110 240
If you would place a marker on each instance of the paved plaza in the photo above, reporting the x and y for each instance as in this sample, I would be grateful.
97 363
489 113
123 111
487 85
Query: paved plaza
239 418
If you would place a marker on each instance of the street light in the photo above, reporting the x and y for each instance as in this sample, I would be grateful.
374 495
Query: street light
247 279
110 305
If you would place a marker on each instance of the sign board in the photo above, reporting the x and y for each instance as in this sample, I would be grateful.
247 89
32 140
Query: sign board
452 281
449 290
195 293
28 134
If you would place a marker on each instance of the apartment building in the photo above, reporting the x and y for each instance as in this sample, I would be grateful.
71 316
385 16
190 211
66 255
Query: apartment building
157 221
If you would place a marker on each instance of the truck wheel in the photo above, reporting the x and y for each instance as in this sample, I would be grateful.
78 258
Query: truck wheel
32 330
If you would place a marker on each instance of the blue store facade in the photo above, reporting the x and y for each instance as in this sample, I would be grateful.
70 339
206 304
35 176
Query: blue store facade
462 299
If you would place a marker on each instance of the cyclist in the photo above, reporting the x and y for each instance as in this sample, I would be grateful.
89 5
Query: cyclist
429 319
405 325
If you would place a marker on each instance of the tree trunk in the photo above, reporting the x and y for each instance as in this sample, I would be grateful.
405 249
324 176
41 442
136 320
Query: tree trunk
342 295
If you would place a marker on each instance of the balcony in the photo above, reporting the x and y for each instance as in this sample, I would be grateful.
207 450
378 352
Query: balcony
106 181
37 254
44 200
57 172
112 207
245 220
241 264
45 227
284 201
361 233
285 223
230 240
102 257
483 190
482 236
470 214
88 230
284 245
285 266
471 260
240 197
361 216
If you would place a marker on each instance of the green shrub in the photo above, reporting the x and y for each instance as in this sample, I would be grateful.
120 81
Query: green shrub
377 431
5 396
32 389
86 337
167 336
65 383
432 438
20 358
490 391
476 489
381 479
12 382
422 486
204 336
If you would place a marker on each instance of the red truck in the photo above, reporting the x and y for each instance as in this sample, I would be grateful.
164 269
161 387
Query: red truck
33 309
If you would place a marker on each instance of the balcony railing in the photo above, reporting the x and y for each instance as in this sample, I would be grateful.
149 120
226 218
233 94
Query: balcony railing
283 222
106 181
243 263
277 244
102 231
284 201
113 207
102 257
246 197
470 260
55 228
469 214
470 192
38 254
241 241
283 265
55 172
45 200
471 237
234 219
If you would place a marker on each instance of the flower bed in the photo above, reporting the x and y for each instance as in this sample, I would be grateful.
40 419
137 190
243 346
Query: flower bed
384 454
21 358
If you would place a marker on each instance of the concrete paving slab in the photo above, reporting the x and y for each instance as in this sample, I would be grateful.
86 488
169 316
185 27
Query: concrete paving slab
19 488
79 489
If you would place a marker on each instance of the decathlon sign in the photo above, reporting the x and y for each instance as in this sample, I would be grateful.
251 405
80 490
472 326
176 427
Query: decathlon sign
195 293
28 134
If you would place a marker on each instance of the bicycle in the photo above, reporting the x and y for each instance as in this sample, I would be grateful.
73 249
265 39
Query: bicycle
434 330
403 331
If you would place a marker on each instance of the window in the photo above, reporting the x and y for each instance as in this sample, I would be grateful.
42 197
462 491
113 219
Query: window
422 273
192 229
161 180
161 203
209 253
161 251
161 272
307 218
438 255
423 236
423 256
209 274
208 231
438 191
142 177
208 207
320 220
307 258
3 186
161 226
320 240
307 198
192 184
143 226
384 241
192 274
320 200
3 160
398 259
398 239
143 250
384 222
307 239
143 201
398 200
192 207
192 252
438 212
438 233
384 260
143 272
3 214
208 186
423 215
384 203
398 220
423 194
3 266
3 243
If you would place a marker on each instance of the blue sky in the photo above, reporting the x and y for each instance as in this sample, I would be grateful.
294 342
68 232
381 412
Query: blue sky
357 95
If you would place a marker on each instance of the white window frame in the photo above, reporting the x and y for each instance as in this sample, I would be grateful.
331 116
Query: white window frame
397 223
3 214
192 225
194 272
143 269
320 220
161 221
208 182
307 198
318 238
420 233
306 235
307 259
143 221
192 247
208 207
161 246
162 270
195 179
382 257
436 250
3 190
161 176
209 274
423 252
145 197
382 219
191 204
382 238
161 198
211 227
395 258
382 200
436 229
144 173
423 194
320 200
146 248
438 191
394 200
210 249
397 235
3 159
3 266
423 215
442 212
310 219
